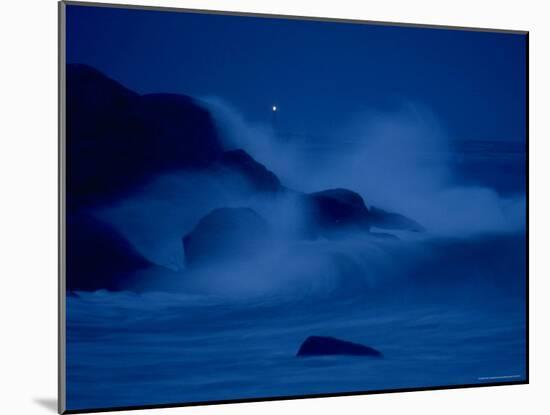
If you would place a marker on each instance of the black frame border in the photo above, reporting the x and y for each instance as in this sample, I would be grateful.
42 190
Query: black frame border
61 209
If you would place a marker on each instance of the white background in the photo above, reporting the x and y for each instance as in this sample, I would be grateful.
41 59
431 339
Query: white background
28 191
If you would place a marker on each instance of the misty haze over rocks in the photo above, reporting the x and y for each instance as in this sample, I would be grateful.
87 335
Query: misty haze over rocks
189 223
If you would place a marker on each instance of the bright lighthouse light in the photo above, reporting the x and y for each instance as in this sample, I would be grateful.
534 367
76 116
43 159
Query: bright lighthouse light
274 108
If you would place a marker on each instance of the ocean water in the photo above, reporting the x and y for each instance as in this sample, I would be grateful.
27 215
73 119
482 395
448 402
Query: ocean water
445 308
466 326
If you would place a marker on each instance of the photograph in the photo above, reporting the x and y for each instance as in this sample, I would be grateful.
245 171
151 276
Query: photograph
274 207
261 207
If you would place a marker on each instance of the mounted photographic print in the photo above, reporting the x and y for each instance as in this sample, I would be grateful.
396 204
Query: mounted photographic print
258 207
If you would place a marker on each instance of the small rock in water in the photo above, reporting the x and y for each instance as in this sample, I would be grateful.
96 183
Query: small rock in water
325 346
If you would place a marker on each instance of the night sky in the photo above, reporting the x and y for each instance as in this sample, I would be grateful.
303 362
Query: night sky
319 74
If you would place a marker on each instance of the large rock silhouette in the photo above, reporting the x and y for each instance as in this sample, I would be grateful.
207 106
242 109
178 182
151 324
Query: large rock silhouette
336 210
117 139
226 234
98 257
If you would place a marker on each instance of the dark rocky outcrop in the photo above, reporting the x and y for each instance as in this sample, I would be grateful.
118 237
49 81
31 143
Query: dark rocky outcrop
258 177
226 234
388 220
327 346
336 210
98 257
117 139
